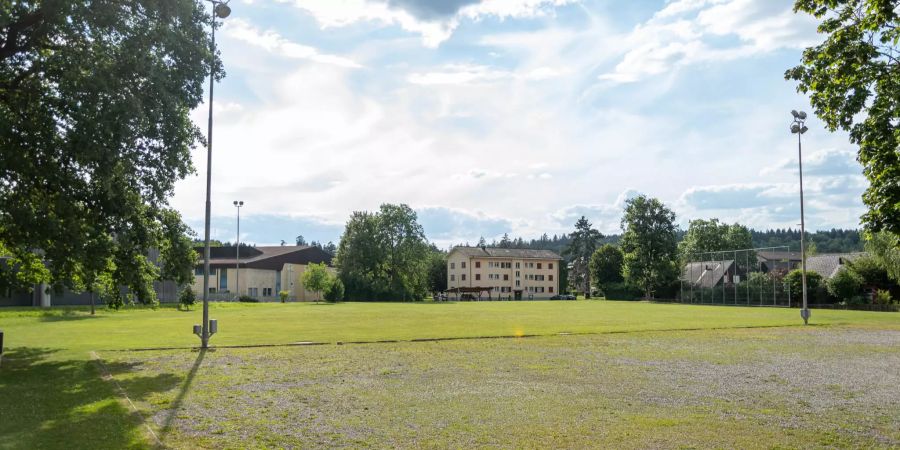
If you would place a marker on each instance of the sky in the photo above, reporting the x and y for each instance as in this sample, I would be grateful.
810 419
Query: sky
512 116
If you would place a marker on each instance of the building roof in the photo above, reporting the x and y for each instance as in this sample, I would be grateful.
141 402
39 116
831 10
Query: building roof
265 257
769 255
497 252
706 273
828 264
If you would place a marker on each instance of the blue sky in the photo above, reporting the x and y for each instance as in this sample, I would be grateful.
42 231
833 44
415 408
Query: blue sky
513 116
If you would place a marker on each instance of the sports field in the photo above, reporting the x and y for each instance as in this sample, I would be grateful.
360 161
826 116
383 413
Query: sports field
585 373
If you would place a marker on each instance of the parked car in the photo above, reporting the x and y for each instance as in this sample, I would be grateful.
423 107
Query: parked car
556 297
568 297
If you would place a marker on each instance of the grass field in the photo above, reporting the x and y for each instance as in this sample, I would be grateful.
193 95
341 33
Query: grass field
596 373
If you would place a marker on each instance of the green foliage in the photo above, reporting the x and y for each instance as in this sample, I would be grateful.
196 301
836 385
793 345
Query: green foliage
335 291
649 244
883 297
437 271
845 284
187 298
870 271
284 295
885 248
711 236
621 291
794 281
95 102
384 255
316 278
582 245
606 266
853 81
247 299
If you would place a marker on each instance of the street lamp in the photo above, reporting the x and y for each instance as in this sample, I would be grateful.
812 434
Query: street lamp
798 127
220 10
237 276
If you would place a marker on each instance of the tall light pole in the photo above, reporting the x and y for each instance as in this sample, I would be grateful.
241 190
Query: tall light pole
237 265
220 10
798 127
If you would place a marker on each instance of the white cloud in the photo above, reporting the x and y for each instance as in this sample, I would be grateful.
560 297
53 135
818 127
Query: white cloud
273 42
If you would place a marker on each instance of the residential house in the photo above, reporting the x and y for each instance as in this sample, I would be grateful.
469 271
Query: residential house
779 261
503 272
827 265
708 274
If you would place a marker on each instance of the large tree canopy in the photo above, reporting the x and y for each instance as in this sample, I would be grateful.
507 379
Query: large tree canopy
95 97
649 244
583 244
705 236
384 255
853 79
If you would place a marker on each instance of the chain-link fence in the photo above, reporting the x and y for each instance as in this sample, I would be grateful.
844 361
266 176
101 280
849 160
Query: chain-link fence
749 277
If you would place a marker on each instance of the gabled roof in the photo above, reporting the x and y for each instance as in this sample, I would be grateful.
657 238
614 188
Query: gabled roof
706 273
829 264
768 255
497 252
266 257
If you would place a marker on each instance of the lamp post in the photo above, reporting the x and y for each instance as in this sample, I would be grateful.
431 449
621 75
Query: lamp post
220 10
237 265
798 127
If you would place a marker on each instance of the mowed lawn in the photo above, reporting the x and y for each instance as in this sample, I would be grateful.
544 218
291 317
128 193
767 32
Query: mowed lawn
595 373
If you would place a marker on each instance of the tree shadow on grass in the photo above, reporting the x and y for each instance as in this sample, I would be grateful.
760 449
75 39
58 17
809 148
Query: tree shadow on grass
52 400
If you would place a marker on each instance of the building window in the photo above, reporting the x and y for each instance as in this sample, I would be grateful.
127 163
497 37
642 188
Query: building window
539 265
505 277
253 292
518 274
212 290
477 277
550 266
452 277
477 264
198 271
518 283
452 265
551 289
267 292
462 265
462 277
518 266
550 277
223 279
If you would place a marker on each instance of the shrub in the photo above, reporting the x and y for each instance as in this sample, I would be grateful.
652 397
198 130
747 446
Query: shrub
284 295
187 298
248 299
335 291
794 281
622 291
883 297
845 284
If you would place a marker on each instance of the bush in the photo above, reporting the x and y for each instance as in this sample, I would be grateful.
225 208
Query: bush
622 291
187 298
794 281
284 295
247 299
845 284
883 297
335 291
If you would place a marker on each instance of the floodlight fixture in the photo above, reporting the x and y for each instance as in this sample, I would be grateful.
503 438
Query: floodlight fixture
795 113
795 128
222 10
802 115
798 127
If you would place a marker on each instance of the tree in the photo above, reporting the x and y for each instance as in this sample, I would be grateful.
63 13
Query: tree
885 248
186 298
853 79
437 271
95 127
606 265
335 291
649 244
316 278
583 244
704 236
844 285
300 240
384 255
